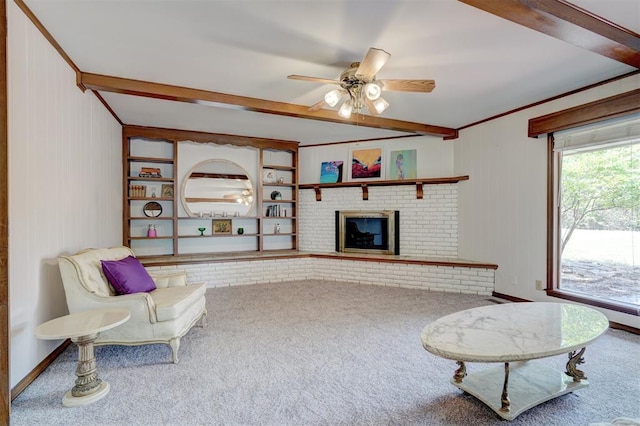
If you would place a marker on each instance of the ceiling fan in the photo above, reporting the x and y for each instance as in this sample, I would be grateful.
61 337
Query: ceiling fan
358 84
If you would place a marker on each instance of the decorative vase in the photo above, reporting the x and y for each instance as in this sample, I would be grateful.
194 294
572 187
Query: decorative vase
240 231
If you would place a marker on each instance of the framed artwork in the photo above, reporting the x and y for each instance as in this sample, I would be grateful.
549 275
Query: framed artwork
167 191
366 163
331 172
402 165
221 226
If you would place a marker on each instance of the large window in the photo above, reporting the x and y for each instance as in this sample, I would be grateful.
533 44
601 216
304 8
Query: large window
597 213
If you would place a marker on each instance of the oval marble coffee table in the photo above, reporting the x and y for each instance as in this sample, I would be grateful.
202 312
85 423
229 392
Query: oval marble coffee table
83 328
513 332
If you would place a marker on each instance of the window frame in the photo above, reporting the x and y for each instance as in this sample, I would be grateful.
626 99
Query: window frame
553 242
620 105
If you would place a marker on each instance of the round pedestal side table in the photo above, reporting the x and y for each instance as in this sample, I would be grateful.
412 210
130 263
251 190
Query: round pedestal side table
83 329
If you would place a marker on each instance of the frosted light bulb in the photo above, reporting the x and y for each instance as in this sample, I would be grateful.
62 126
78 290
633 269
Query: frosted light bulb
333 97
380 105
345 109
372 91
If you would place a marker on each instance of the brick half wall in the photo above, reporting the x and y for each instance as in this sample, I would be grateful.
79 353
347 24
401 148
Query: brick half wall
427 277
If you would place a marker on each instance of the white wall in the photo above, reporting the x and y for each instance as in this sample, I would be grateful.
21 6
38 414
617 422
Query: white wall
502 208
434 156
64 184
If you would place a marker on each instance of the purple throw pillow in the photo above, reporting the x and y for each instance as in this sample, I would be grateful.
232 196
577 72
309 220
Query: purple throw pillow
128 276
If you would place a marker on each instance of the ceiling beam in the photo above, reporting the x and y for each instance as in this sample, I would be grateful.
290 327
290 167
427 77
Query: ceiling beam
568 22
147 89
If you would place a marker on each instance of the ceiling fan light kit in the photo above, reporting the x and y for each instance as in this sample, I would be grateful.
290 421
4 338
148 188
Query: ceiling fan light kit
361 90
346 109
333 97
380 105
372 91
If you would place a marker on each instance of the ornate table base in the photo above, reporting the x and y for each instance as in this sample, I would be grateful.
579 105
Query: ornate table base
83 329
88 387
529 384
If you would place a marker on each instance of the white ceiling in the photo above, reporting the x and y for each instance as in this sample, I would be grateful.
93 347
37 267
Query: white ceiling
483 65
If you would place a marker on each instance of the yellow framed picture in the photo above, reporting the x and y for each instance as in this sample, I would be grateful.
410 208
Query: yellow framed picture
221 226
366 163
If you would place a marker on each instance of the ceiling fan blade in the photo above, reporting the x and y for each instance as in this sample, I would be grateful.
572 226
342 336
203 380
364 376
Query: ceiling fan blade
313 79
317 105
408 85
371 64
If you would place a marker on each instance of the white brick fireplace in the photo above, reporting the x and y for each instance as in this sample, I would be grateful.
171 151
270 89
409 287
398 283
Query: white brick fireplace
428 227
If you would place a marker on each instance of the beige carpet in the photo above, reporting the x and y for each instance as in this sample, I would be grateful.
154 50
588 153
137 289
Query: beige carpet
317 353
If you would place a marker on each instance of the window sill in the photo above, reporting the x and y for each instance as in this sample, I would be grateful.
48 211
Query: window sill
622 307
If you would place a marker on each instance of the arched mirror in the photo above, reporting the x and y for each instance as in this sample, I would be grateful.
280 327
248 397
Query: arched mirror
217 187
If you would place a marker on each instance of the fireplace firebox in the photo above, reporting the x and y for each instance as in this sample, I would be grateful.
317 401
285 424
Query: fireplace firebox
375 232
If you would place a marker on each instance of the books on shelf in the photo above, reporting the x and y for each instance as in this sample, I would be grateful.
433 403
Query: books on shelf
137 191
276 211
150 172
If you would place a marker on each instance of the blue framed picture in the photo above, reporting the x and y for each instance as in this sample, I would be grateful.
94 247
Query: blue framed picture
331 172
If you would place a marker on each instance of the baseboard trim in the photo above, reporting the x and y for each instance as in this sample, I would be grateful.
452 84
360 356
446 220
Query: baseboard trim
624 327
33 374
509 298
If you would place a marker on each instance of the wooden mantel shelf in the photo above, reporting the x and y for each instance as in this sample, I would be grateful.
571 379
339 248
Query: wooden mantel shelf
365 185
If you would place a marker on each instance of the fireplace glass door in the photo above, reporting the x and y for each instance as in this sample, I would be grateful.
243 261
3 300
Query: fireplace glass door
367 232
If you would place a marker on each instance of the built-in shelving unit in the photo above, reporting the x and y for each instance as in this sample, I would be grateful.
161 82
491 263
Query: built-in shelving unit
279 199
317 187
140 152
273 226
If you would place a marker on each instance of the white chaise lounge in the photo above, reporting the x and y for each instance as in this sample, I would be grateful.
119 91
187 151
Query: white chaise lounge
162 315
